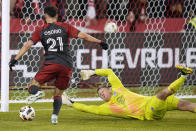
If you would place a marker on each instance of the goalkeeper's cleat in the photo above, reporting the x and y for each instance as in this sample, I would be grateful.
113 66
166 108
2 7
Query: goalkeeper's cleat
86 74
184 70
31 99
54 119
66 100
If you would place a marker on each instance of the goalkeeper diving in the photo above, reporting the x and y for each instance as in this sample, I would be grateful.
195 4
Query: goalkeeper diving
121 102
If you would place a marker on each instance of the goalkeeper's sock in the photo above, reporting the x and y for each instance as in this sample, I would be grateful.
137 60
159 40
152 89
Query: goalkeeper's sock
57 104
33 89
195 110
173 87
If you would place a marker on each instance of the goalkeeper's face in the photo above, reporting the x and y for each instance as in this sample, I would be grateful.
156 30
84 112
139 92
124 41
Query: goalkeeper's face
105 94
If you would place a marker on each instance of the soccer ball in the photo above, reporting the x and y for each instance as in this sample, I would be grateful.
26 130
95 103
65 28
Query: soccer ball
110 27
27 113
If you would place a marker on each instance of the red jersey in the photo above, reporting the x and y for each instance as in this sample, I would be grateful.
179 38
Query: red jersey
55 40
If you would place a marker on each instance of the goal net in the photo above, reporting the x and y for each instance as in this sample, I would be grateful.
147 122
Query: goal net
152 38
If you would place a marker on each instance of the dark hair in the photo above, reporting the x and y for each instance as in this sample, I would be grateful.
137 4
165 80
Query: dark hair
52 11
99 89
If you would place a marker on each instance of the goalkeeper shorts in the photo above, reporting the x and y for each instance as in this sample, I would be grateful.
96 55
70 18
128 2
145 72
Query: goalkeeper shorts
156 108
51 71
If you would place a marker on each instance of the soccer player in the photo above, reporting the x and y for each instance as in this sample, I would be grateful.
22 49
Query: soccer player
121 102
54 37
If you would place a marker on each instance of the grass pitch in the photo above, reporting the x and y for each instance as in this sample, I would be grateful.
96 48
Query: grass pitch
73 120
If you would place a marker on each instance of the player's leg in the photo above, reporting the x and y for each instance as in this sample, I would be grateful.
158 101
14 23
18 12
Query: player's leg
174 103
155 109
61 83
163 101
56 105
34 90
33 87
46 74
173 87
187 106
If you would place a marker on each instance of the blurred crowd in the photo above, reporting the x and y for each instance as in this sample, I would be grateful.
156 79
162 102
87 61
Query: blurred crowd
33 9
132 11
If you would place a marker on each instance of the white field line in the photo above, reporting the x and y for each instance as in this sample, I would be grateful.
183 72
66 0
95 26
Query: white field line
65 109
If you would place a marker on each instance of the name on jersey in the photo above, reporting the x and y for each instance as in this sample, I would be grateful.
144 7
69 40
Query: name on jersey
50 32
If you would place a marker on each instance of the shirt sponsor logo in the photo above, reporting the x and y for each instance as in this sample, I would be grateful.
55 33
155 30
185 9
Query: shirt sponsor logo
50 32
120 100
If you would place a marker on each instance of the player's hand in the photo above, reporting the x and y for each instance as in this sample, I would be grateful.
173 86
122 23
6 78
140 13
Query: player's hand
104 45
12 63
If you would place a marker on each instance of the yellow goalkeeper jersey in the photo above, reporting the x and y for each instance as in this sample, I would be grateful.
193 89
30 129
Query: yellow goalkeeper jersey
123 102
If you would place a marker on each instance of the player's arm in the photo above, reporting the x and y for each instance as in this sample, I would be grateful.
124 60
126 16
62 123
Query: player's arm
22 51
90 38
75 33
112 78
34 39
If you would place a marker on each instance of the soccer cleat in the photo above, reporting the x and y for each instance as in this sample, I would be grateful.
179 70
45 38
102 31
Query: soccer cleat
54 119
86 74
31 99
185 70
66 100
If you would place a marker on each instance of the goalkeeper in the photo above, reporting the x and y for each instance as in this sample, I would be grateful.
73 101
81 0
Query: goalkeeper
121 102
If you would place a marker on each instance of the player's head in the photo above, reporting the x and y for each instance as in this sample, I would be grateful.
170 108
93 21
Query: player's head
51 12
105 93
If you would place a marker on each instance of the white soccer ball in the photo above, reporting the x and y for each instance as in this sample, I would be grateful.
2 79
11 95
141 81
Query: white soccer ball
27 113
110 27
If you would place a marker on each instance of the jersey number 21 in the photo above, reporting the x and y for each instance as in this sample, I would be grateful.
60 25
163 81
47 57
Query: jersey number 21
54 42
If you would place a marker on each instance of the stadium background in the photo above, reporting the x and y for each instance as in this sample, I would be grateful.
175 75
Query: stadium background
142 24
164 28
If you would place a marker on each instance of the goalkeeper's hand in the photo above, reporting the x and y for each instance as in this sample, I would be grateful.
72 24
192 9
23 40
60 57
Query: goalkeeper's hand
104 45
12 63
66 100
86 74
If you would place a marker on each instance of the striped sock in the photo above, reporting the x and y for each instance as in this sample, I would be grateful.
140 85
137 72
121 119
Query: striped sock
33 89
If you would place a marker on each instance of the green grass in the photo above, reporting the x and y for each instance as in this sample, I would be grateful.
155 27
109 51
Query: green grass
92 92
73 120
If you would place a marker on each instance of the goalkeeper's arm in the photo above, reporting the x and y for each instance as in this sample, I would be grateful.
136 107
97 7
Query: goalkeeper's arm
95 109
112 78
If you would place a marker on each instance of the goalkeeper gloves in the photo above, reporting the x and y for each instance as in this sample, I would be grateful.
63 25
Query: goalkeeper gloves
12 63
86 74
66 100
104 45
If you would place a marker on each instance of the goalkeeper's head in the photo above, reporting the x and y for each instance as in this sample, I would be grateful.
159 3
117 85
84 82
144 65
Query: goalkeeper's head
51 13
105 93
